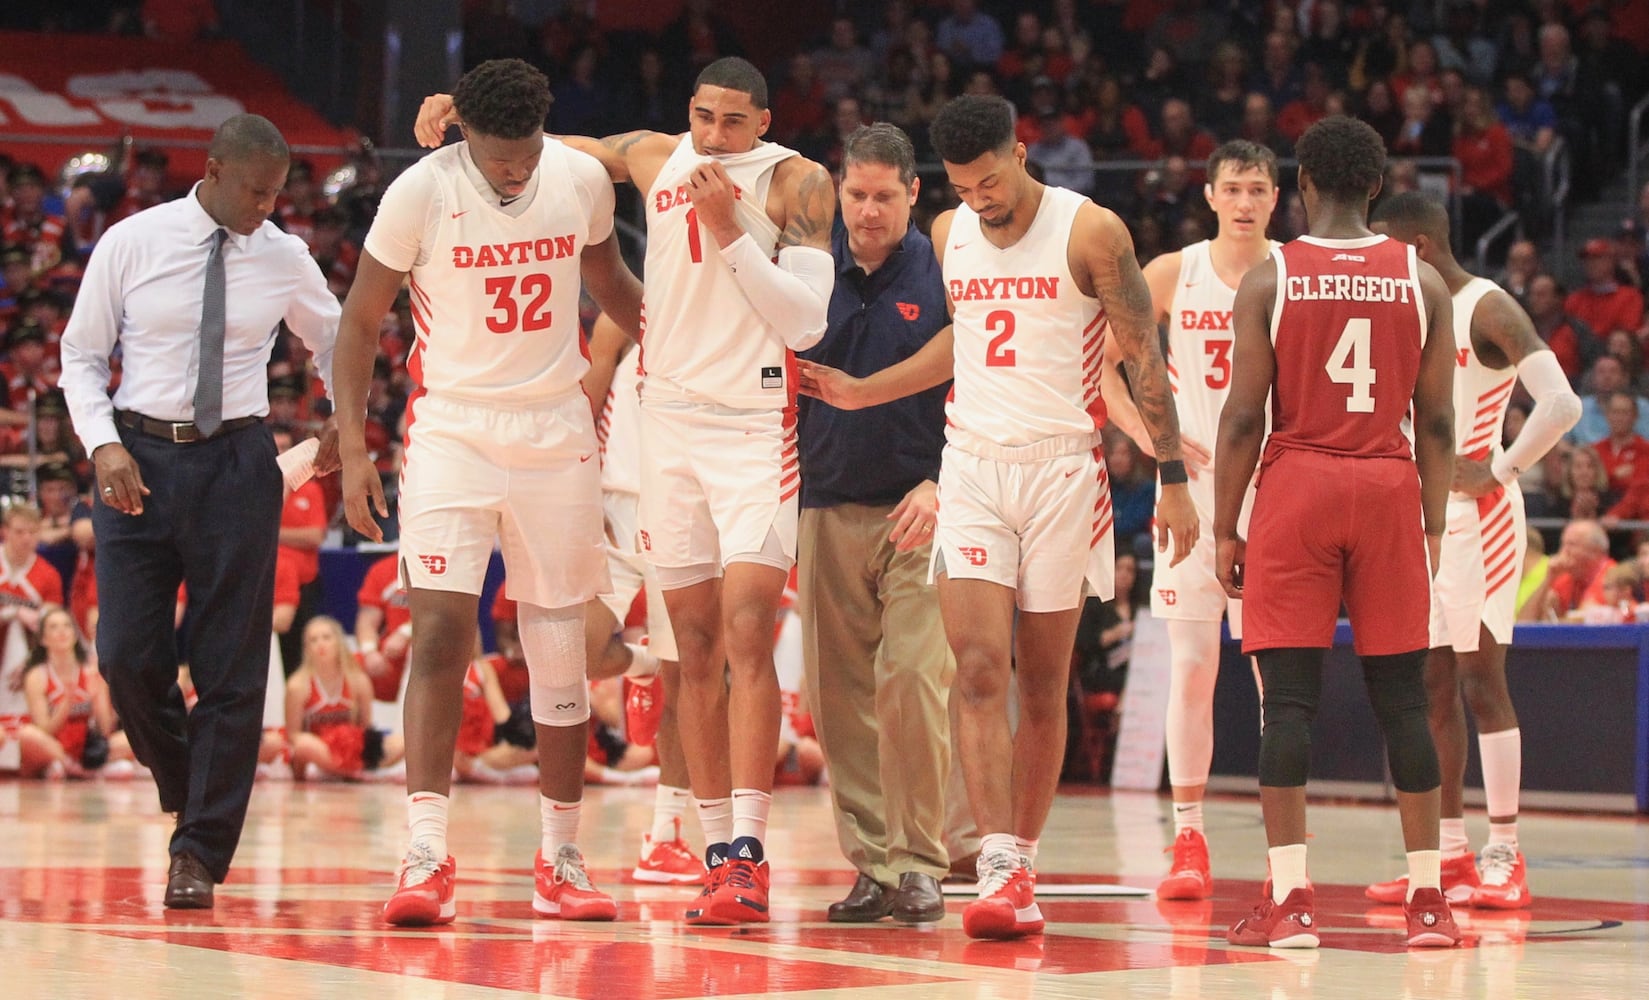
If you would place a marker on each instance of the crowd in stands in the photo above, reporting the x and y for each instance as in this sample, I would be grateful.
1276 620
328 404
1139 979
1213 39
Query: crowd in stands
1151 85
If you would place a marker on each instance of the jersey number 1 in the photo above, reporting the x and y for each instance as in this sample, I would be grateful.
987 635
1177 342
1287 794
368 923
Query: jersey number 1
1349 364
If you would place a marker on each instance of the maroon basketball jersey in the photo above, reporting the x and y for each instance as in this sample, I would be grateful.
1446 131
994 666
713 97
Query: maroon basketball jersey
1347 328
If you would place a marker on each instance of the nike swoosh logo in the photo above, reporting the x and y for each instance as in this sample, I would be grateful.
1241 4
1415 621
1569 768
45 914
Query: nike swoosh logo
1190 284
957 246
585 458
1072 473
457 214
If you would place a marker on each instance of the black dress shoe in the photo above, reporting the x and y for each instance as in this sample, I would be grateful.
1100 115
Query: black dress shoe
867 902
918 899
188 884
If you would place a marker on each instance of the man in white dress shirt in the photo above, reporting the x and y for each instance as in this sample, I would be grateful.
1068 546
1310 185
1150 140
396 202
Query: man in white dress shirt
188 490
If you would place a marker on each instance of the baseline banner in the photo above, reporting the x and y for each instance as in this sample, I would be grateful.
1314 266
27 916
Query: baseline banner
66 94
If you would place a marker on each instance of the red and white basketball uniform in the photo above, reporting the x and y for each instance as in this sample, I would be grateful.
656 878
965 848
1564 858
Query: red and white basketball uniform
1200 338
1337 511
33 583
619 430
1483 546
72 735
500 442
1024 499
720 472
382 589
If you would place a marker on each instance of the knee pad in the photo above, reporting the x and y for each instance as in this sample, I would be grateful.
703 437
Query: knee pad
553 643
1397 691
1293 681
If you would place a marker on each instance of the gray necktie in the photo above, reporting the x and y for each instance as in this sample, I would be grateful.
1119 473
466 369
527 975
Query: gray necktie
209 380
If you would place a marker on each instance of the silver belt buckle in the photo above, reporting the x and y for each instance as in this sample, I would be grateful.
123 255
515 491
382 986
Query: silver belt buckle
178 433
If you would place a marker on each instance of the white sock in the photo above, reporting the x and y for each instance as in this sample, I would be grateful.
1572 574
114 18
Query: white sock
427 822
1451 839
558 824
1187 816
1425 871
1287 870
1504 833
750 808
669 805
643 664
1027 850
1502 755
1004 843
716 820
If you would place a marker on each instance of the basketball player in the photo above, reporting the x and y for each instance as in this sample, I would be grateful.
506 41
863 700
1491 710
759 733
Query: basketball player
739 275
1192 290
1474 598
496 233
665 857
1037 277
1343 331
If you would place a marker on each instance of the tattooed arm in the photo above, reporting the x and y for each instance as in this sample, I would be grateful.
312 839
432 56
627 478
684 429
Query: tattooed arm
1105 254
792 294
618 153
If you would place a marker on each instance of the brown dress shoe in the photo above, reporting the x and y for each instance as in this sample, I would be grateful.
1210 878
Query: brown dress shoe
868 901
918 899
188 884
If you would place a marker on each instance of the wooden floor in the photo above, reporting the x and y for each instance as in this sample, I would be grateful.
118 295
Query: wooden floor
84 866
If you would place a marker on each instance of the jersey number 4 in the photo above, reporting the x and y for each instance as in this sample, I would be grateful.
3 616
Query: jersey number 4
1349 364
507 316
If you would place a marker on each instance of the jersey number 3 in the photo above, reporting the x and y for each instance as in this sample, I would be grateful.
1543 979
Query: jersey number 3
1349 364
507 316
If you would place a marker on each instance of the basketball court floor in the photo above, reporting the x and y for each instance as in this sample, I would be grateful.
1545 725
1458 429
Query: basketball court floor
83 866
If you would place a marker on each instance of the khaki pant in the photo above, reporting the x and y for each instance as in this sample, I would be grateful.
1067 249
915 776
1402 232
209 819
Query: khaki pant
878 679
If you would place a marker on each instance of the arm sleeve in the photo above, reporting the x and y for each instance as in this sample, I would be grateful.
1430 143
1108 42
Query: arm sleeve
793 296
313 311
89 339
1556 409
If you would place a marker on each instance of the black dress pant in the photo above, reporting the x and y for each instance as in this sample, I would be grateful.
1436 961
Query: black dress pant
211 521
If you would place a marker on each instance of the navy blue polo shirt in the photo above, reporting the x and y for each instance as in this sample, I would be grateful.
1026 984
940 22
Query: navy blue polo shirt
876 455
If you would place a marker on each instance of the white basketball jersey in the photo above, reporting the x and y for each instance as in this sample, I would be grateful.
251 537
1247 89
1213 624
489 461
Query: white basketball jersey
495 298
1029 343
704 342
1199 344
1480 393
619 430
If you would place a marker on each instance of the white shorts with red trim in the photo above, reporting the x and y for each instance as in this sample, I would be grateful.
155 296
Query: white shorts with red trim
632 574
527 479
1477 577
1191 591
1040 527
717 483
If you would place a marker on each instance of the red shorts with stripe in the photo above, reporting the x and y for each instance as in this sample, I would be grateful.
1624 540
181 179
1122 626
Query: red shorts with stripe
1329 529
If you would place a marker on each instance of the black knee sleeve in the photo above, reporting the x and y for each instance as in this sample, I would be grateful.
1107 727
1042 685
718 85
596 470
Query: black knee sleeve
1397 691
1293 680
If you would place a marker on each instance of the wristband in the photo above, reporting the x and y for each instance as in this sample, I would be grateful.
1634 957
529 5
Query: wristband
1172 473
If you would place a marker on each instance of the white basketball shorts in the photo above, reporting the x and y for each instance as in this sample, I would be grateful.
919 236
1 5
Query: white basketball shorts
1477 577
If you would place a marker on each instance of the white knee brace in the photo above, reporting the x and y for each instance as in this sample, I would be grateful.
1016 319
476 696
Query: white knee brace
553 642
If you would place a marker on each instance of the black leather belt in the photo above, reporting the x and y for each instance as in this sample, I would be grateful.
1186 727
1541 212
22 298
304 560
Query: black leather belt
178 433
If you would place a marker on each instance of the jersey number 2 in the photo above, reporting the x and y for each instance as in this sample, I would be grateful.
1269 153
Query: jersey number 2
506 316
1349 364
997 353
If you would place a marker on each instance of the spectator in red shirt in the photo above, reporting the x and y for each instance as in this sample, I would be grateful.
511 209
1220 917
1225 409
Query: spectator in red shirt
27 584
303 528
1604 304
799 103
27 367
1484 149
1574 577
383 626
1299 115
1180 136
147 186
1569 338
1624 454
26 222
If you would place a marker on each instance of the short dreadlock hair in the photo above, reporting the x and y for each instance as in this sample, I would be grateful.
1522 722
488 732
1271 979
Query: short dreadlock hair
503 98
1344 157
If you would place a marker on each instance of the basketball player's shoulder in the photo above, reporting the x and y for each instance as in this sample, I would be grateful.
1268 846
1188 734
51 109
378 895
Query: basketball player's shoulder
940 232
584 170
